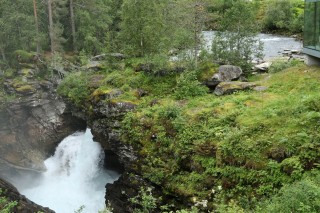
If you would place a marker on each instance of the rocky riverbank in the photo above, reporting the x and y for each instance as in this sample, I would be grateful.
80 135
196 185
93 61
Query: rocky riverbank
23 204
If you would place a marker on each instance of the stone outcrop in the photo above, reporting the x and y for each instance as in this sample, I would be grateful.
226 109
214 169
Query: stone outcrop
105 121
32 124
24 205
120 192
225 88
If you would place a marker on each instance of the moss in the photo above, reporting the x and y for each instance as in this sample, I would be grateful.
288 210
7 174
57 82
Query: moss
25 89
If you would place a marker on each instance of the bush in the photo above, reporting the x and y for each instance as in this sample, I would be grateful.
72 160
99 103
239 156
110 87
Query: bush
235 43
280 65
75 87
188 86
300 197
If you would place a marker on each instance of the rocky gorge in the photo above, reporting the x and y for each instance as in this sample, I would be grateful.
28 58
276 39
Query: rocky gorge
34 119
197 151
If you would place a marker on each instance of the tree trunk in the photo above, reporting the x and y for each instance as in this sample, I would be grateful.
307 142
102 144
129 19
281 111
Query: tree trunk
37 25
73 27
3 54
51 30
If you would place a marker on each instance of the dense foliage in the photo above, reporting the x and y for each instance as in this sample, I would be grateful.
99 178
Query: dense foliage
133 27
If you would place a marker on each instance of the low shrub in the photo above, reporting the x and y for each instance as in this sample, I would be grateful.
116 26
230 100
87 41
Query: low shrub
280 65
189 86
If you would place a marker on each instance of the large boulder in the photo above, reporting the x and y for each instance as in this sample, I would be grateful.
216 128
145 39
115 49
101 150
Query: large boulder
225 73
225 88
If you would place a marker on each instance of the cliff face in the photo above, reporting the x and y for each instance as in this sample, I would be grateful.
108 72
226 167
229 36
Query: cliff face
33 123
104 121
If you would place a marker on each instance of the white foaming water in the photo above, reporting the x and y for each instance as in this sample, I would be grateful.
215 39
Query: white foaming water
75 177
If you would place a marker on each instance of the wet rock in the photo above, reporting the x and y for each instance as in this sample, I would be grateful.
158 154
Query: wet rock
33 124
127 186
225 88
24 205
105 126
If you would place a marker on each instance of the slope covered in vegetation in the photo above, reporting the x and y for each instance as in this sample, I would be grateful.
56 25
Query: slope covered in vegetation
238 149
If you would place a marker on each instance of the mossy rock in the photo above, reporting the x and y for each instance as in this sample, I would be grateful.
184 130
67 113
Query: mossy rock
23 56
28 73
25 89
231 87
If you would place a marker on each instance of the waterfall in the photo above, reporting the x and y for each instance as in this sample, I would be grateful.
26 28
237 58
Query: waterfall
75 177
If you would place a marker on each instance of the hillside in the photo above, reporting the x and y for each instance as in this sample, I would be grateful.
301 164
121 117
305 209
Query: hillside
210 151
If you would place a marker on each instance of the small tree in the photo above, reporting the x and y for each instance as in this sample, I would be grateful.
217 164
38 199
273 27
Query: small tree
236 43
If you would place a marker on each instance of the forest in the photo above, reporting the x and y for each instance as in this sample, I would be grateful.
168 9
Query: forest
136 28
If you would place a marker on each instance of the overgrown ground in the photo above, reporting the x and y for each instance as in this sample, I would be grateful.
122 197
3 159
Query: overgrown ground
235 151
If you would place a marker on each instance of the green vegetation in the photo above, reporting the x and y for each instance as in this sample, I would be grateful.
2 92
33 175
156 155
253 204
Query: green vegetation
133 27
279 65
235 42
233 151
6 206
302 197
250 143
284 15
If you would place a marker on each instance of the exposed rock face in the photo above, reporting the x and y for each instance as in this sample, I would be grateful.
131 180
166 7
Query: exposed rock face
24 205
105 125
105 120
33 124
122 190
230 87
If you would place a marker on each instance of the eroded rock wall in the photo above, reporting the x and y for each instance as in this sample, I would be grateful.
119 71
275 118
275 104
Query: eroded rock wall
32 124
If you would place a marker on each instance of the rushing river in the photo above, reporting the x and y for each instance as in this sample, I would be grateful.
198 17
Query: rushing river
75 177
274 45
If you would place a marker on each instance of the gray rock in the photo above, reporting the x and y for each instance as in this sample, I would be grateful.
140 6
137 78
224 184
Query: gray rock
263 67
94 65
104 56
227 73
225 88
260 88
32 125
